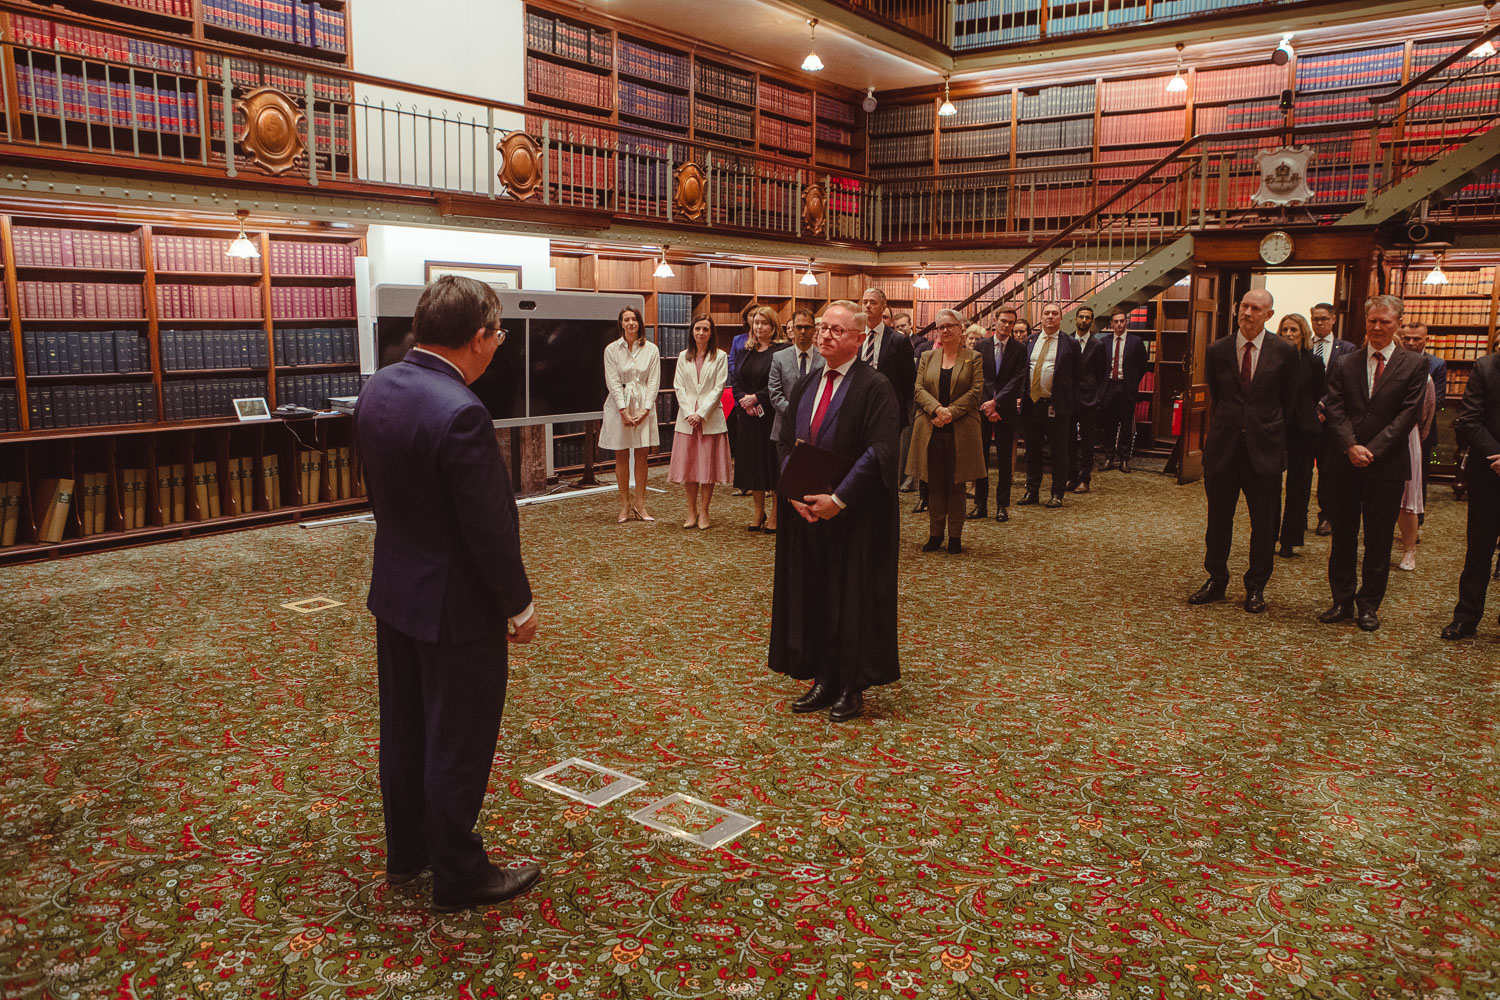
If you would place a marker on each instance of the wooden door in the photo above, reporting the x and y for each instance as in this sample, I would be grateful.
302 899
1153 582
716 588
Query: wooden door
1203 323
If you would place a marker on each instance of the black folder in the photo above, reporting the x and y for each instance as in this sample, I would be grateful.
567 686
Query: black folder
812 470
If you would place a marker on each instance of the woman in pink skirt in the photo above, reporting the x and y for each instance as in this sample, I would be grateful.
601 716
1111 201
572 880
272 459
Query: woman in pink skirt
1412 506
700 447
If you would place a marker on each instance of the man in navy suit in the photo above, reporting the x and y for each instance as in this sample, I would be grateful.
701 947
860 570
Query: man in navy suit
447 581
1125 366
1047 404
887 351
1479 424
1091 372
1328 348
1004 382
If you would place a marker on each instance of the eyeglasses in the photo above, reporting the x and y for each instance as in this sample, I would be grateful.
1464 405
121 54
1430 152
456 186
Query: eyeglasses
950 326
830 328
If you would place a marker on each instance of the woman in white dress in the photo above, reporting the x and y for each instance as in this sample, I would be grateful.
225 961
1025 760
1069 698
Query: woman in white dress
1411 500
632 374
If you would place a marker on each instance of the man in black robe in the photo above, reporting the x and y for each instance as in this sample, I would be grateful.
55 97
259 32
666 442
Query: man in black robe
833 607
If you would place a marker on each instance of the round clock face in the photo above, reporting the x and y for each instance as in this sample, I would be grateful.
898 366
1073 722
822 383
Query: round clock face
1276 248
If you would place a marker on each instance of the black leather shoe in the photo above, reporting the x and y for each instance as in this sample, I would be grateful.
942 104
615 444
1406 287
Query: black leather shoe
934 542
1255 602
497 886
1368 620
1337 613
1053 502
818 697
849 706
1081 488
405 877
1286 552
1027 499
1109 465
920 508
955 546
1324 529
1458 630
979 513
1207 594
1125 466
1002 515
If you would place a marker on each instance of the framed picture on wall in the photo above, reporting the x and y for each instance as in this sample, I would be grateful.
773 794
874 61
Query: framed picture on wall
499 275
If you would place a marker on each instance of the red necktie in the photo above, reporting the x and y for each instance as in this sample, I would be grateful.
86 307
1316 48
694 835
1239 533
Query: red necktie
1245 370
817 421
1379 369
1119 343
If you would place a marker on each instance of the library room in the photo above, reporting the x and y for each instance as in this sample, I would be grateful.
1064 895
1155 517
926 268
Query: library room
571 499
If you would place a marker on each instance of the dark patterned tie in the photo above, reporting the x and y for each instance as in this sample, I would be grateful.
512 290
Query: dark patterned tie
1246 372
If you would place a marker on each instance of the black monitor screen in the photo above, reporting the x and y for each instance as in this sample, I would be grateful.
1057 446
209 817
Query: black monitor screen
567 365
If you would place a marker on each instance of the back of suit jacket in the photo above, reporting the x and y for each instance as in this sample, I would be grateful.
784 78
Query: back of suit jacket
1259 415
1380 419
448 563
1478 424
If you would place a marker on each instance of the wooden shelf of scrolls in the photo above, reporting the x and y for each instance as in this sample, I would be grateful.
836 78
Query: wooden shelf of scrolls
128 336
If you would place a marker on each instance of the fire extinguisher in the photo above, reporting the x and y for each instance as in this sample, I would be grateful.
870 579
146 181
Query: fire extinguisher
1177 415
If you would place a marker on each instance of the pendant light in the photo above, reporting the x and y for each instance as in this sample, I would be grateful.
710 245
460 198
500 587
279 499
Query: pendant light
809 279
1485 48
922 282
946 109
663 269
1178 83
1436 275
242 248
812 63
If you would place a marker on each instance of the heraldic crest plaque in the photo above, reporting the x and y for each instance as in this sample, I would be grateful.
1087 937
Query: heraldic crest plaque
1283 176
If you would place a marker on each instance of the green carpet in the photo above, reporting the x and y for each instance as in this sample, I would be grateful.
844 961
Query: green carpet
1081 788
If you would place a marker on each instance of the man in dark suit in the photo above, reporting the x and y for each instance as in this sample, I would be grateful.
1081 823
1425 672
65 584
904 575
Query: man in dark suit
833 599
1252 387
1004 382
1091 371
1125 366
1327 347
1373 400
1479 424
888 351
920 343
1047 404
447 583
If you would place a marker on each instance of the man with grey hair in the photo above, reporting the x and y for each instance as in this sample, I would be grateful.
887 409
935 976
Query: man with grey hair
1374 399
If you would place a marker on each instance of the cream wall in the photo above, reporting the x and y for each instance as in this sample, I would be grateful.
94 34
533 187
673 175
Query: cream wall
1297 291
399 254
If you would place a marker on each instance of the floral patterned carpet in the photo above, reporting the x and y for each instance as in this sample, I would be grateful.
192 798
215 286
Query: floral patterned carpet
1081 788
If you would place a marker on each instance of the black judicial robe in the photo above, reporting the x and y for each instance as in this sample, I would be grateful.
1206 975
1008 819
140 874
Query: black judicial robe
833 607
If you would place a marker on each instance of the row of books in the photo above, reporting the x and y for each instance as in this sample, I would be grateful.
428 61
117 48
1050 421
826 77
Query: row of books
565 83
204 398
782 100
91 500
90 405
558 37
1068 132
671 341
835 110
314 391
197 253
723 119
52 506
80 300
991 33
317 345
1070 99
1472 282
84 352
674 308
1356 68
657 105
10 417
787 136
7 360
992 109
900 149
1319 108
40 33
892 119
247 74
1238 116
197 350
1458 346
970 145
652 63
1070 24
41 246
171 109
296 22
176 301
569 452
1145 126
725 84
967 11
1140 94
313 302
832 133
175 8
1264 79
1449 312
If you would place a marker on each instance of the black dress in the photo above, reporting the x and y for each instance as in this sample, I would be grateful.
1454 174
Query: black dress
755 465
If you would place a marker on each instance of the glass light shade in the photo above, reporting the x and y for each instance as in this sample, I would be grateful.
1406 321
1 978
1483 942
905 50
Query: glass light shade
809 279
921 282
947 110
1177 84
663 270
1436 276
242 248
1484 51
812 63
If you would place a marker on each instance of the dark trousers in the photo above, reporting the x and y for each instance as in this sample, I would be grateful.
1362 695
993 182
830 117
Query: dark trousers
1085 423
1300 452
1479 553
1322 462
1003 435
439 724
1377 502
1117 422
1041 429
1262 499
945 498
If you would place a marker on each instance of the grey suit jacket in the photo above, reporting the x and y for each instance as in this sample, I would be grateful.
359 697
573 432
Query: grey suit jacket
784 375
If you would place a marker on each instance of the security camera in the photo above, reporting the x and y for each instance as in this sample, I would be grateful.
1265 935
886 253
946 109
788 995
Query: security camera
869 102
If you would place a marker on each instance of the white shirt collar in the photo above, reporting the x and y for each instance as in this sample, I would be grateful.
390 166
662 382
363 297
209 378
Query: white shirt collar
1390 349
1240 341
843 369
434 354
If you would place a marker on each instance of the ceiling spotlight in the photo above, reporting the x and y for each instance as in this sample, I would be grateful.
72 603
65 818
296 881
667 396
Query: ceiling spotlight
1485 49
946 109
1436 275
1178 83
922 281
1284 52
242 248
808 278
663 269
869 102
812 63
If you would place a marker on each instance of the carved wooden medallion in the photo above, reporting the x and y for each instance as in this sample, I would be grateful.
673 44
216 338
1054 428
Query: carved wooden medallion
520 165
814 209
692 197
273 130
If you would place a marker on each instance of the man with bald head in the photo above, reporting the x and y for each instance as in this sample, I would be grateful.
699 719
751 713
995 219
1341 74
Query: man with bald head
1252 381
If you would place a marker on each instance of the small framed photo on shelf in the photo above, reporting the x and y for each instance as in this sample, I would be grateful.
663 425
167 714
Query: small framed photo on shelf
252 408
499 275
